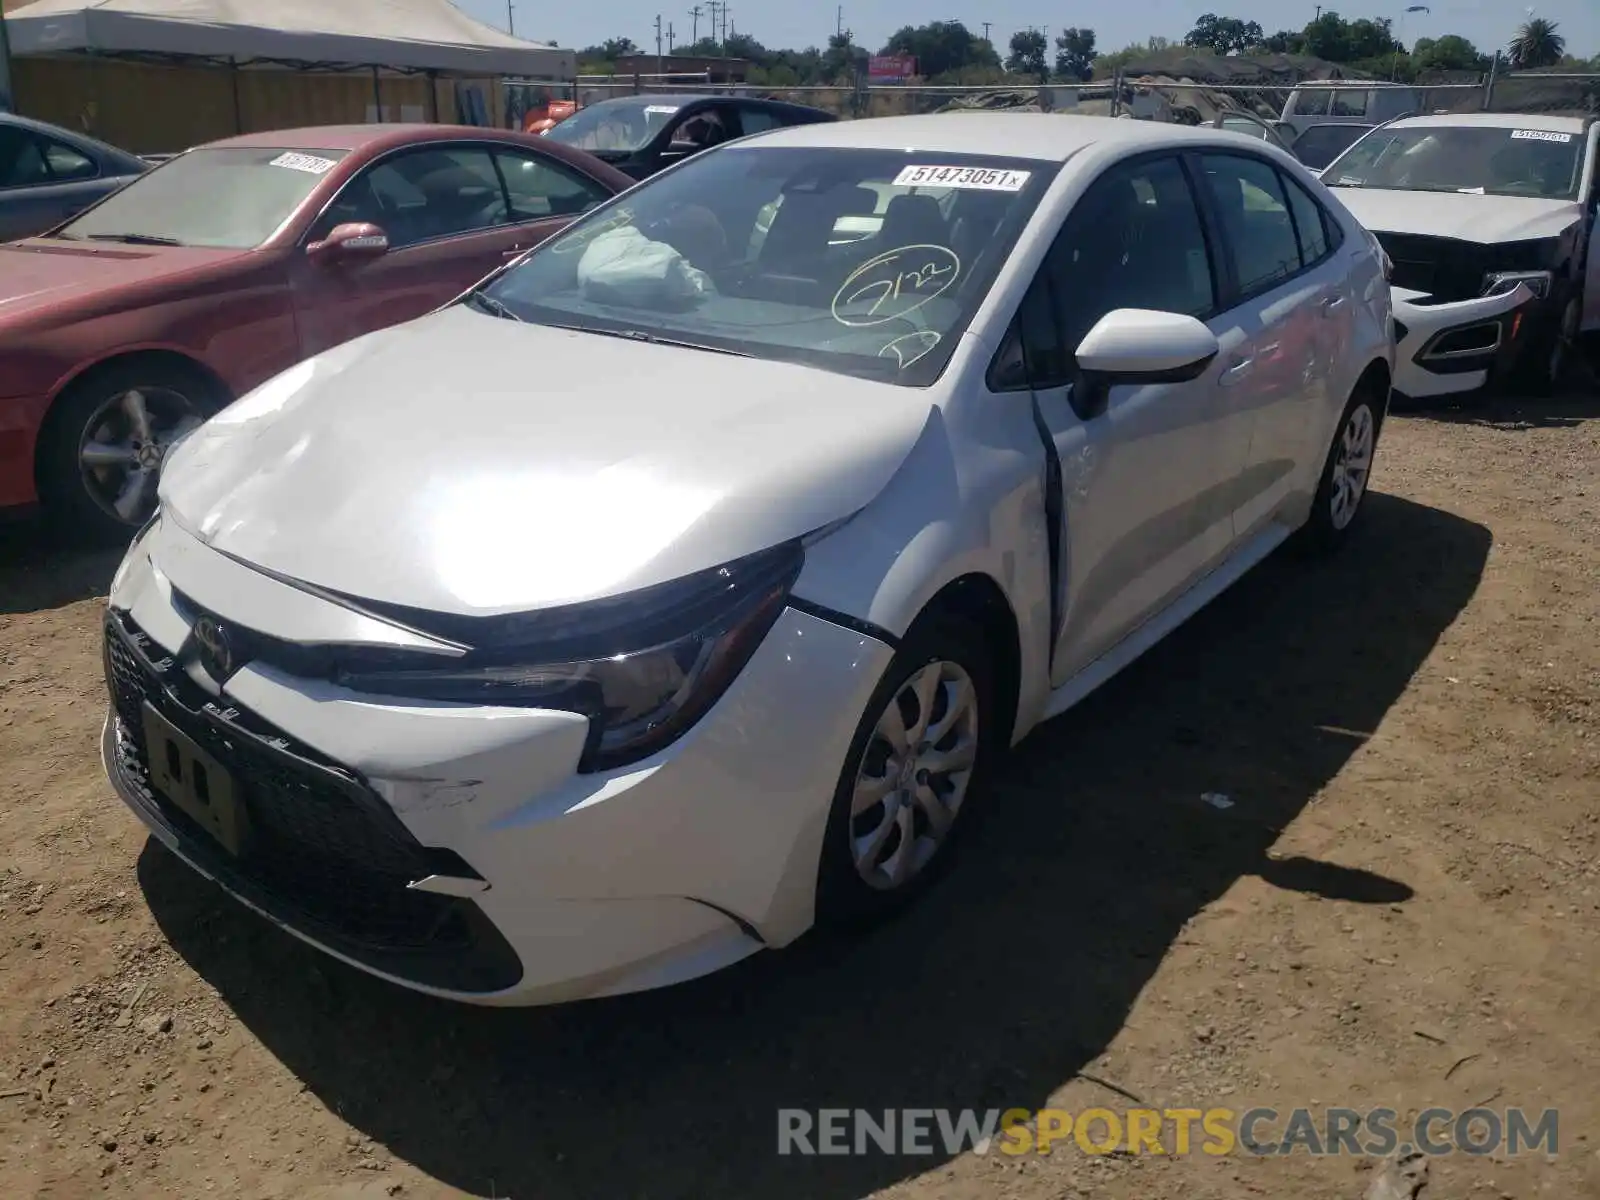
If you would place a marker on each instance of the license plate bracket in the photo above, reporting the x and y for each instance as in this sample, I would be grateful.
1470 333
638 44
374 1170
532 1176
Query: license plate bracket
195 782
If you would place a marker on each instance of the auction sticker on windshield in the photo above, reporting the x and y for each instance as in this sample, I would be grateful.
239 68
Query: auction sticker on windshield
661 108
309 163
983 179
1540 135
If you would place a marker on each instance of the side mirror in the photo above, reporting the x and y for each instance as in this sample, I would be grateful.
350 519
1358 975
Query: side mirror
352 241
1138 345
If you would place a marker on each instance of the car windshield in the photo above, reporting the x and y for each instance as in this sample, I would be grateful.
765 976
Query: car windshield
1479 159
229 198
618 126
1321 144
863 262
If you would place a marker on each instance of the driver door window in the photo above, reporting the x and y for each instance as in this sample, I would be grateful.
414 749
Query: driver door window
1133 241
422 195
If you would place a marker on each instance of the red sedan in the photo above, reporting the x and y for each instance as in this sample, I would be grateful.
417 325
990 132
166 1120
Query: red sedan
126 327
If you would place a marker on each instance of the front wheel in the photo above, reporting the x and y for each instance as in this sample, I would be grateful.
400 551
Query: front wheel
917 757
1551 354
1345 474
104 443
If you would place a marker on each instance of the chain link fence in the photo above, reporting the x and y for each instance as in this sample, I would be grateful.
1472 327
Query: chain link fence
1150 97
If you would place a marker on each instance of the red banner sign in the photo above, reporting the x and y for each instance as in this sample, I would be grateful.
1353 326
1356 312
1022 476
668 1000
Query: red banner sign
891 66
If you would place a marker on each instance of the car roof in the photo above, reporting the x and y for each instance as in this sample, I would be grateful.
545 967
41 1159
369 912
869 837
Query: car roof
1493 121
685 99
357 137
1047 136
66 135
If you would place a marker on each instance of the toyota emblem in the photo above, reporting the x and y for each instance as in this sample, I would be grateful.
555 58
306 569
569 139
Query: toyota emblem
216 651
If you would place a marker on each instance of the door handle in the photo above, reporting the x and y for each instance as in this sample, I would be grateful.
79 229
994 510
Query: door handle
1237 371
1332 305
508 255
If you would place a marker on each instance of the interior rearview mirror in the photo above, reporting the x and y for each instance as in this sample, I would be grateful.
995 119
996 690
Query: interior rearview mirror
1139 345
350 241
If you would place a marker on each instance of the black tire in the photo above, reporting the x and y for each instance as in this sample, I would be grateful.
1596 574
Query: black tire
844 897
1550 353
1328 527
65 487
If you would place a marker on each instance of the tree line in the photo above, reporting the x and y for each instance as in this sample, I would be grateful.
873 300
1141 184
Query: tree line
947 52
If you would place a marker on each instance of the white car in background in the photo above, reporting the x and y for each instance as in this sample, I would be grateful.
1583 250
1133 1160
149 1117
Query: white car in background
1489 220
674 589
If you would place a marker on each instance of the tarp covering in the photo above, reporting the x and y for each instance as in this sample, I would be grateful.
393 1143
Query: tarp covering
426 35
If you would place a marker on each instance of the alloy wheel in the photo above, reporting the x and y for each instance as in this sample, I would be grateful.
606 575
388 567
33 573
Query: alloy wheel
914 775
124 445
1352 465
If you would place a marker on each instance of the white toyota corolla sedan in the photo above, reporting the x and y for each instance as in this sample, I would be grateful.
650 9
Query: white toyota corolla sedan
673 590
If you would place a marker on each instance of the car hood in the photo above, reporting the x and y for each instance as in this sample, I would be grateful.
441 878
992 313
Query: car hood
39 273
467 464
1488 220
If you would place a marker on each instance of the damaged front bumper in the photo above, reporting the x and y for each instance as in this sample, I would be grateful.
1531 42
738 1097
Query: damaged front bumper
1445 349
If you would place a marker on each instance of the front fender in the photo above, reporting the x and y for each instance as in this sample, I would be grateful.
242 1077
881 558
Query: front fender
968 500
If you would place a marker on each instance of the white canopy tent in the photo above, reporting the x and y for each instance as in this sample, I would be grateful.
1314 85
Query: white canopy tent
406 35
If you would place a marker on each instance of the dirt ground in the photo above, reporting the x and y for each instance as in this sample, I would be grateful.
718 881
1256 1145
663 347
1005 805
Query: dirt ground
1400 909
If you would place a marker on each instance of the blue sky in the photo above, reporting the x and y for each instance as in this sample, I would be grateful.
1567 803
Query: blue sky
1486 22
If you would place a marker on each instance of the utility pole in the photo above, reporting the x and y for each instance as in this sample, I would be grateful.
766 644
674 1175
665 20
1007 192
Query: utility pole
670 38
838 23
694 28
658 43
986 25
511 20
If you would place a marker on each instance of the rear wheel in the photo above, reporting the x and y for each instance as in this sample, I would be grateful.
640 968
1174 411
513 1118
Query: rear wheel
104 443
1342 490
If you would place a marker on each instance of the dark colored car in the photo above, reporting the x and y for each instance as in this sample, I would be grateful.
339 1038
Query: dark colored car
127 326
641 135
1316 146
49 174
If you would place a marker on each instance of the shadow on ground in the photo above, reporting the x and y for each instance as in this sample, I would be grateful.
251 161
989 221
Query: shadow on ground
994 991
1577 402
42 568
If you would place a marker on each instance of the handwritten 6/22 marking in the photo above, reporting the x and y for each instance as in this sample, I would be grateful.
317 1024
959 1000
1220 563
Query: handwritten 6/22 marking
896 283
909 347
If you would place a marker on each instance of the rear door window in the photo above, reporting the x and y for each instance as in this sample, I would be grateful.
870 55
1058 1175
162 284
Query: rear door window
22 161
67 164
539 188
1310 224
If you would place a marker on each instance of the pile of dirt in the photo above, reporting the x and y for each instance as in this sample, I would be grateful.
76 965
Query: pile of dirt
1279 69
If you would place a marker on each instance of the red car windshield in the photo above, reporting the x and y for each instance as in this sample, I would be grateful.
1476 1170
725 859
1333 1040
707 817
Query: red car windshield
231 198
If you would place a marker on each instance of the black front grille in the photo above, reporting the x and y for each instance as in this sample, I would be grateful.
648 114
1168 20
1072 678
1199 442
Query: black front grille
325 854
1445 268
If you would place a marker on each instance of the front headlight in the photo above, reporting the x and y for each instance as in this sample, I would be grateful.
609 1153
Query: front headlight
1499 283
643 667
